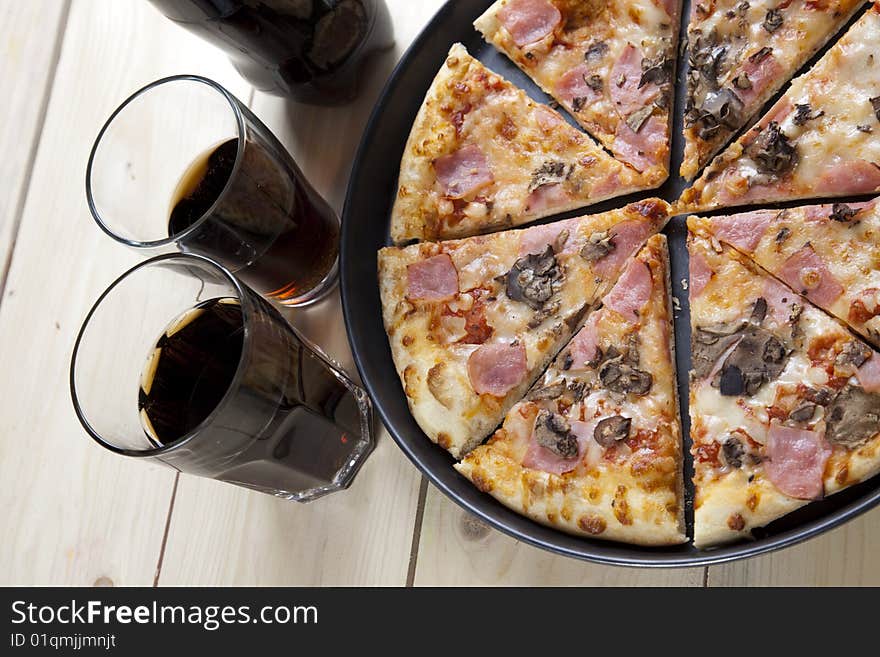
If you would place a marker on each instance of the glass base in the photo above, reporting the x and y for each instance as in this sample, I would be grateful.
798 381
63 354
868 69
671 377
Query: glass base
317 293
359 451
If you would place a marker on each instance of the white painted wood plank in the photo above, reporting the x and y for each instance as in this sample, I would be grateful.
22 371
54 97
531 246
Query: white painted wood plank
846 556
456 549
72 513
29 34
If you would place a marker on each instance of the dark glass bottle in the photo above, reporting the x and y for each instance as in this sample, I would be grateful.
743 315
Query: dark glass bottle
308 50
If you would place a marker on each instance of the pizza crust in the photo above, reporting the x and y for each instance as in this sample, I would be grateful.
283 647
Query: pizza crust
612 508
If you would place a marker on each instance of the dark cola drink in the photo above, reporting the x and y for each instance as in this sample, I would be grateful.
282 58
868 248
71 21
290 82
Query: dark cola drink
263 215
208 383
309 50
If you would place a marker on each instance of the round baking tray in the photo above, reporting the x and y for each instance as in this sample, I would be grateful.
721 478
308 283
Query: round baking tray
365 229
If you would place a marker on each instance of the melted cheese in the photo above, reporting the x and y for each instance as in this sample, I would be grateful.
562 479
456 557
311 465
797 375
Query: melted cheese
717 415
840 85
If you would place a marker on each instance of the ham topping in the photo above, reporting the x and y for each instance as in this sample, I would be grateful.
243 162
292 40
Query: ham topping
496 369
529 20
797 461
781 301
433 279
541 458
869 374
699 274
626 237
462 172
624 83
642 149
631 292
856 177
743 231
548 197
573 87
583 346
538 238
761 72
806 273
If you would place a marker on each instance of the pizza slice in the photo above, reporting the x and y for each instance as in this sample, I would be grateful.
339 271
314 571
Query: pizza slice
784 401
473 322
740 54
818 140
482 156
595 446
610 64
828 253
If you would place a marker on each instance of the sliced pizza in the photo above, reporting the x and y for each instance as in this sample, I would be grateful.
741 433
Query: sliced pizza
610 64
482 156
595 446
819 140
740 53
828 253
784 401
473 322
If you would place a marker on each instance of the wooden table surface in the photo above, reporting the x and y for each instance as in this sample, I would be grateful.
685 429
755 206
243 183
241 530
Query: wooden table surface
72 513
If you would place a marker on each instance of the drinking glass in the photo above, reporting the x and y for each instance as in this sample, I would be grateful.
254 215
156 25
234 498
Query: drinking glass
182 165
288 421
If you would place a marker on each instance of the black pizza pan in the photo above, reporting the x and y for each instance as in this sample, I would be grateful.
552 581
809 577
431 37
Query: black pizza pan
365 229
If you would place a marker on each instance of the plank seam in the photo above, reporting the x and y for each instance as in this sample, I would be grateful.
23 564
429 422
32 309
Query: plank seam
165 533
35 144
417 533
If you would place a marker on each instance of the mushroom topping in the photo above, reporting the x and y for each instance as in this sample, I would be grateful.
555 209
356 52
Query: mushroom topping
637 119
612 430
773 20
841 212
852 357
761 55
553 432
657 70
742 82
759 312
546 392
725 106
595 51
598 246
820 396
853 417
732 452
803 413
772 152
595 83
534 278
621 378
783 234
721 109
550 173
759 357
805 113
709 344
875 105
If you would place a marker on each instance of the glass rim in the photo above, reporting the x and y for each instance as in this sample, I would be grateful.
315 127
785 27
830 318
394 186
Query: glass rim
241 130
246 320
